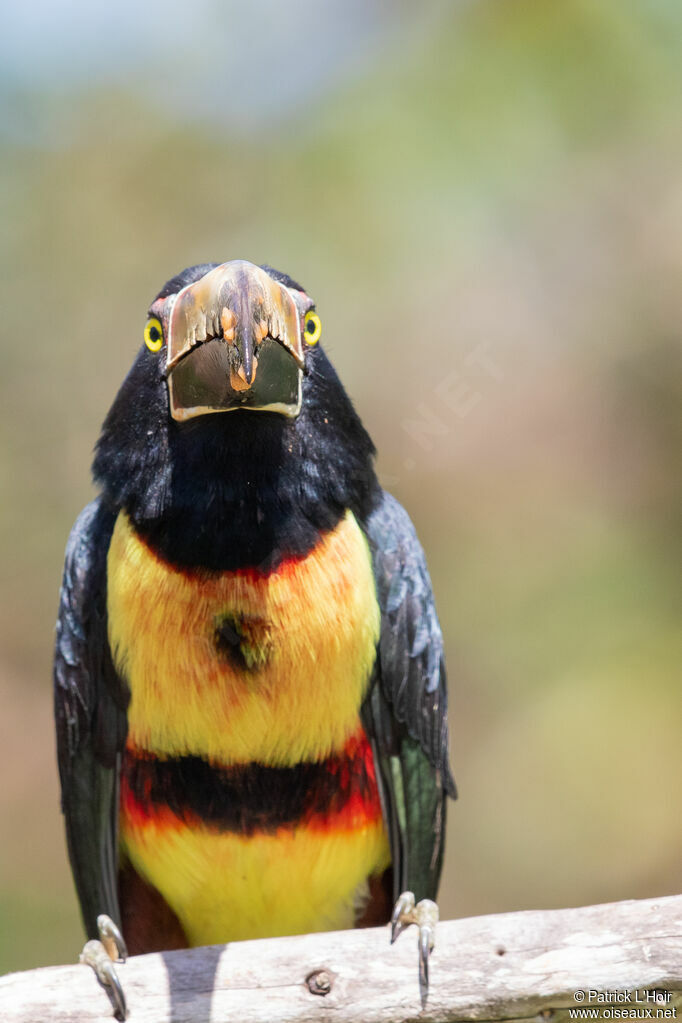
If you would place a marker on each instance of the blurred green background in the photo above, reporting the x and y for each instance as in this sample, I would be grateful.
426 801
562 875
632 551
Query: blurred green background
485 198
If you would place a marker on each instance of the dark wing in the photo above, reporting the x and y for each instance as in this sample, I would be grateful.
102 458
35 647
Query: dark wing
405 712
90 715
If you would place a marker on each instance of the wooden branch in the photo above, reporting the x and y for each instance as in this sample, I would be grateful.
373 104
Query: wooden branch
519 966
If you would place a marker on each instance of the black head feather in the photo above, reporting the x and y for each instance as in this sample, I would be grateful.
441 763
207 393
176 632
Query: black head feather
185 277
234 489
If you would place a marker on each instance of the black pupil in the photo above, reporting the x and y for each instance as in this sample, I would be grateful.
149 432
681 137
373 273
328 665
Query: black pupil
154 333
311 326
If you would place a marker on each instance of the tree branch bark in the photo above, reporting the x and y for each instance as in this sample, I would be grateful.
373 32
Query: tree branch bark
535 966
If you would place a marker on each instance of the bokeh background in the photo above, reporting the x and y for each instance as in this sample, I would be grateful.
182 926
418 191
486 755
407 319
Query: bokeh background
485 198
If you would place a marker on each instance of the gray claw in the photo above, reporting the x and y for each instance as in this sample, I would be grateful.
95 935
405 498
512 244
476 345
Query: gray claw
95 955
425 915
426 943
99 956
112 939
401 913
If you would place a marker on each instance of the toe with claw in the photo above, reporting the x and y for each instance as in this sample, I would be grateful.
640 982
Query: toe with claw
425 915
101 955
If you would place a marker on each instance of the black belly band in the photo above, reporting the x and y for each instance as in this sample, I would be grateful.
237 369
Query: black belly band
254 797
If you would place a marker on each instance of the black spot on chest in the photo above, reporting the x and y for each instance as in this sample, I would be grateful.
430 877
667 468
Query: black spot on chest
243 640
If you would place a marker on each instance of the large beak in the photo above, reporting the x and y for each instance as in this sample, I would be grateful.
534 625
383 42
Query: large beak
234 342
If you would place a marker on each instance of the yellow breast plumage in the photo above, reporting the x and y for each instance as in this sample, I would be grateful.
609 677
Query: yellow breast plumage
286 689
308 638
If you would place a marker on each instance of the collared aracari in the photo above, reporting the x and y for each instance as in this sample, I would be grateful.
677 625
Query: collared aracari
250 693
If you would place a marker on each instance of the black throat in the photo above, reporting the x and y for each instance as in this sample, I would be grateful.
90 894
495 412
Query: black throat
240 489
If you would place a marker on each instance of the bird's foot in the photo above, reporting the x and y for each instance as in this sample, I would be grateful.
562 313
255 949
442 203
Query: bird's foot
425 915
101 955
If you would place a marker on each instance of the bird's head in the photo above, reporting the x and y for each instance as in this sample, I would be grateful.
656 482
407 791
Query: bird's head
240 339
232 336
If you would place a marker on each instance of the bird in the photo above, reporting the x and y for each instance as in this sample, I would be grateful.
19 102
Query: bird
249 683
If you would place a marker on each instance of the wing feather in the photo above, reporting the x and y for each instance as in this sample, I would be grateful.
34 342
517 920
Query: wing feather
405 712
90 714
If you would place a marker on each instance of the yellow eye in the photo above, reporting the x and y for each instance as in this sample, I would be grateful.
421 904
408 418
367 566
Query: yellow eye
312 328
153 334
